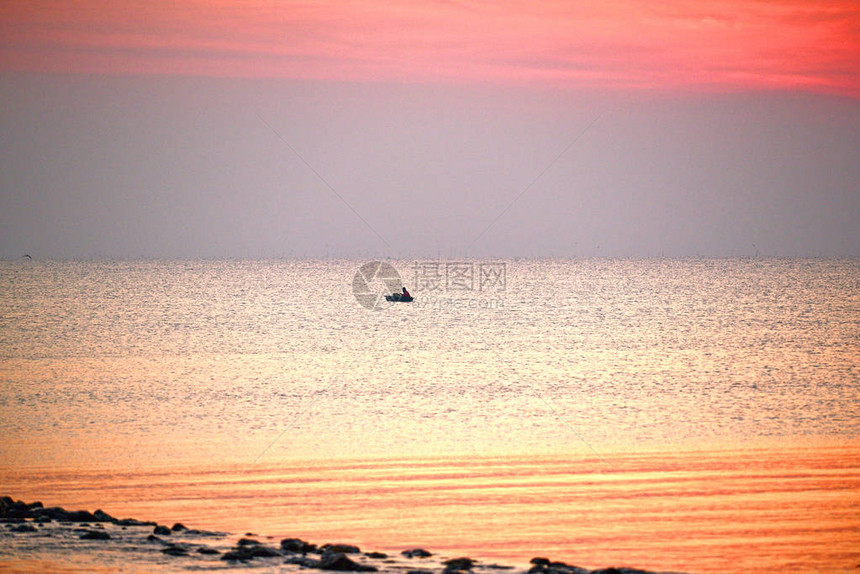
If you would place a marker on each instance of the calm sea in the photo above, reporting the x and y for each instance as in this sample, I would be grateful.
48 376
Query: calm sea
698 414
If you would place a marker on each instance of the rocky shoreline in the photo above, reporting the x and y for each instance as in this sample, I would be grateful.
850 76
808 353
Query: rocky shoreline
31 530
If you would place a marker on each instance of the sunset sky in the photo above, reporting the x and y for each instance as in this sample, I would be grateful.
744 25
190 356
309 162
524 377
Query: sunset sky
225 128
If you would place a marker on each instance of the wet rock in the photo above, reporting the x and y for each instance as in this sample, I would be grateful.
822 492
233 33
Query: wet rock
341 562
207 550
248 542
156 539
24 528
331 561
175 550
417 553
264 552
95 535
102 516
303 561
236 556
418 572
80 516
42 519
456 564
376 555
161 530
250 551
12 520
53 512
17 509
340 548
297 546
135 522
178 527
538 561
562 568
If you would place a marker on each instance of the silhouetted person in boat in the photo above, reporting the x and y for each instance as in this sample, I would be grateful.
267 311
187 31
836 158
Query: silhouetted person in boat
405 294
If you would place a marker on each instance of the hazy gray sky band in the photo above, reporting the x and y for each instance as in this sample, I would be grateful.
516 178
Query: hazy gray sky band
126 167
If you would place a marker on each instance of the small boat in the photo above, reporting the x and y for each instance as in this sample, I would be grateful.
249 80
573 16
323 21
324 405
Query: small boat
399 298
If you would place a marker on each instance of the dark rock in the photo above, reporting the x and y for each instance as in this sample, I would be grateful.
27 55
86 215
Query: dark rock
562 568
331 561
417 553
376 555
95 535
12 520
18 510
80 516
538 561
178 527
42 519
248 542
154 538
498 567
24 528
135 522
251 549
303 561
418 572
53 513
161 530
264 552
175 550
236 556
297 546
456 564
340 548
341 562
207 550
102 516
34 505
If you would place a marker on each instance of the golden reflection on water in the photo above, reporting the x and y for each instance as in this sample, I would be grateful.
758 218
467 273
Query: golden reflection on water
148 389
791 508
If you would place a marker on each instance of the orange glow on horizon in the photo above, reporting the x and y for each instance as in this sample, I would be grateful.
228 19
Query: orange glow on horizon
678 45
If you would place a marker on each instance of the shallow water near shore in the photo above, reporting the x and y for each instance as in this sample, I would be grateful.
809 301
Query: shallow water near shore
789 508
691 415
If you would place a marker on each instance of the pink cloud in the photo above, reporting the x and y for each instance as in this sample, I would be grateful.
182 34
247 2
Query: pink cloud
711 45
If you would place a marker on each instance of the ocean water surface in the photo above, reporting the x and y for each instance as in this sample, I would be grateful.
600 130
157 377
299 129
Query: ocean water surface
699 414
